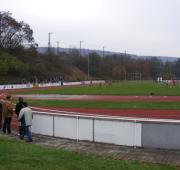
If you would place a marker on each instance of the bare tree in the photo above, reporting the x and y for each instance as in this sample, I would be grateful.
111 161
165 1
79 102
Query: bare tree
14 34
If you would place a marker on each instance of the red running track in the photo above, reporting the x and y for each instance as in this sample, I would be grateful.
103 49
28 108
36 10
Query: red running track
137 113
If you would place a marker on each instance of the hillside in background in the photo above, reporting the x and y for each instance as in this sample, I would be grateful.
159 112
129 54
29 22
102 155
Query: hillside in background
86 52
30 65
21 60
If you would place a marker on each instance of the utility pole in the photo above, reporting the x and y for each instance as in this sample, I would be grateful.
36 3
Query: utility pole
57 47
88 66
125 52
0 22
49 41
103 50
80 47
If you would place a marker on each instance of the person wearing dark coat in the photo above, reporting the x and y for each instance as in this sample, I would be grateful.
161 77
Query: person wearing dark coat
18 108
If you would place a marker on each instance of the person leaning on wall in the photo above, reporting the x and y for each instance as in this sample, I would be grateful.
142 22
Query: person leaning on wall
28 116
7 114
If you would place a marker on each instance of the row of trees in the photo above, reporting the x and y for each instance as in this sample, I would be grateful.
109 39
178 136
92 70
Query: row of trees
18 62
122 67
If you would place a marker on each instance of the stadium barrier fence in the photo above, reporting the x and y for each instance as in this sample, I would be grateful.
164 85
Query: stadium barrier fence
31 85
136 132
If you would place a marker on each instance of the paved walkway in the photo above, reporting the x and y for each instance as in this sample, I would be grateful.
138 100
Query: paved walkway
171 157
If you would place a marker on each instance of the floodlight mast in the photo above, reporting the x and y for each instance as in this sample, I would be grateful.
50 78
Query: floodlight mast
57 47
103 50
49 41
80 45
88 66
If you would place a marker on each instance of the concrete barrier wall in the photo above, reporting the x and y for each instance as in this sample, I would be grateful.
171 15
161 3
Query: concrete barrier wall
85 129
120 131
43 124
88 128
65 127
161 135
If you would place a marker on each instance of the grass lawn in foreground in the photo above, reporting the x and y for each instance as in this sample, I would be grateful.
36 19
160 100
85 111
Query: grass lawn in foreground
140 88
22 156
106 104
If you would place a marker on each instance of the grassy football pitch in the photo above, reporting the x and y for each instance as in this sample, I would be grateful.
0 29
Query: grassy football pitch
130 88
141 88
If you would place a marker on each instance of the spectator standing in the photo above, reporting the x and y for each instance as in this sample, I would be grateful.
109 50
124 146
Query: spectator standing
7 114
21 122
28 116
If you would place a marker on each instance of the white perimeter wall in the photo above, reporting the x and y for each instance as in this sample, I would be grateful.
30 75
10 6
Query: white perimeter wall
118 132
90 129
30 85
43 124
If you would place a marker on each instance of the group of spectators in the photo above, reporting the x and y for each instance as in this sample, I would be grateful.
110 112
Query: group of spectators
54 79
24 116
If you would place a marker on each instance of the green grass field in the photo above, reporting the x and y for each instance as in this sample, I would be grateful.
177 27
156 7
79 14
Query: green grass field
17 155
140 88
106 104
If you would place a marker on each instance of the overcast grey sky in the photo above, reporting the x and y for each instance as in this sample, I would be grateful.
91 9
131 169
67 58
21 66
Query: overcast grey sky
142 27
